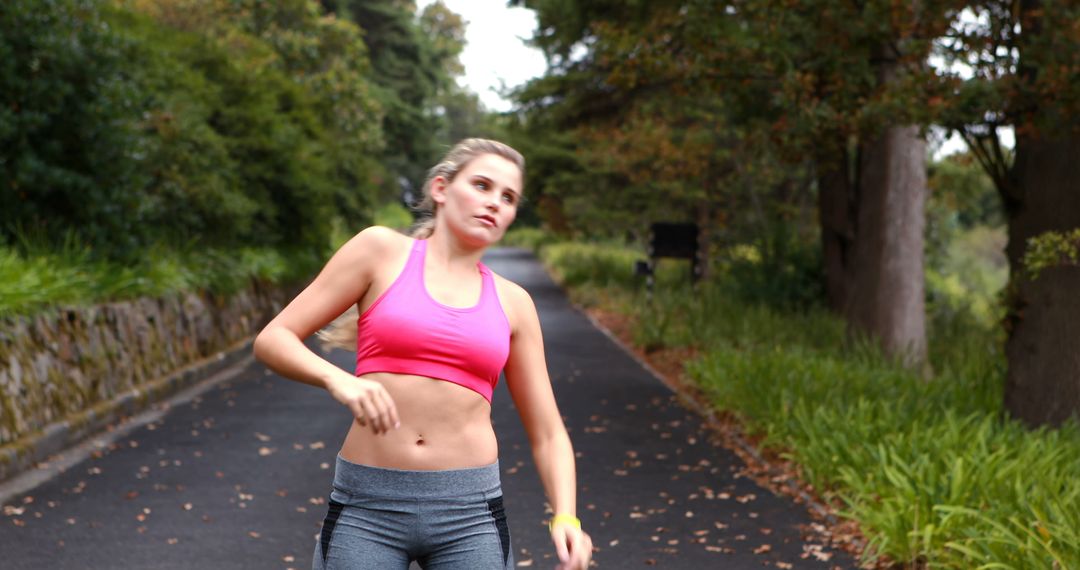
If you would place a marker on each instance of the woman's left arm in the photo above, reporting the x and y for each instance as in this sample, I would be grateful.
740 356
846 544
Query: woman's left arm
530 387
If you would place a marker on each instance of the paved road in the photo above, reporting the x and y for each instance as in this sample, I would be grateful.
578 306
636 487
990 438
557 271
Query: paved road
237 477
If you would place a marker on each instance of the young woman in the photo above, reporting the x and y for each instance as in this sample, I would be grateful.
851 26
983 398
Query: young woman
417 477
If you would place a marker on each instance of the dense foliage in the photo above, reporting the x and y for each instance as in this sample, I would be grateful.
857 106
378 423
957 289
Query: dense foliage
414 59
69 142
731 114
773 124
930 471
691 110
128 124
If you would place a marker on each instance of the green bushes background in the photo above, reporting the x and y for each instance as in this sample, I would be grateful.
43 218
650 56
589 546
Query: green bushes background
127 125
930 468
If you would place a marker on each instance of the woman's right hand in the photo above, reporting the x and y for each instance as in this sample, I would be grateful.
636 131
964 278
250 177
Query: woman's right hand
368 401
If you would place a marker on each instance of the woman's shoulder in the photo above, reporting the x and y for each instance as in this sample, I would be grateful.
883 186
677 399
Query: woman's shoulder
382 236
378 242
368 251
515 300
512 290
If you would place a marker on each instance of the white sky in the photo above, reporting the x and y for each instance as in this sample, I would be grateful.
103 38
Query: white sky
495 54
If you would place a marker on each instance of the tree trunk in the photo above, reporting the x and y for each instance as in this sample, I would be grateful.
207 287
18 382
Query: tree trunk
1043 347
836 214
887 299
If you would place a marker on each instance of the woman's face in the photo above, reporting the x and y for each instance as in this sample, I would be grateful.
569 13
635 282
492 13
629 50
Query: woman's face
482 200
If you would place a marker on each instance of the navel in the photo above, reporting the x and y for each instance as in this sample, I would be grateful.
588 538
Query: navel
420 439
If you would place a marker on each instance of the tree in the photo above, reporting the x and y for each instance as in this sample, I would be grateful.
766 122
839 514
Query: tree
183 122
281 91
857 93
68 127
413 59
1026 73
688 88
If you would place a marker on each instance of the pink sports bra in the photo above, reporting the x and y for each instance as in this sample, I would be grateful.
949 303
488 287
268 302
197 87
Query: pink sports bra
406 331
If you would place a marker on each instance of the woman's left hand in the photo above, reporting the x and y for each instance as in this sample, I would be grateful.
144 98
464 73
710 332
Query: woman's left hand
573 546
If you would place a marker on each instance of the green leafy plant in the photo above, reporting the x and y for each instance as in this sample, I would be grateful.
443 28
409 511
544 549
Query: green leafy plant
930 469
1052 249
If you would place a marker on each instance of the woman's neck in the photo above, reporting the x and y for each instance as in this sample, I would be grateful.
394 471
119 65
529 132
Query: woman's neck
451 254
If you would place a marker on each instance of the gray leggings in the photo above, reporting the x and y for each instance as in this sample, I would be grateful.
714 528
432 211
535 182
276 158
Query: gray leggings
383 519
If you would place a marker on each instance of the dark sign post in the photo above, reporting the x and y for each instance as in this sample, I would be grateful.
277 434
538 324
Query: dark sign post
679 241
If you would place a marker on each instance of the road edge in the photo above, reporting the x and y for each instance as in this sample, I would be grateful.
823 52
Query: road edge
33 459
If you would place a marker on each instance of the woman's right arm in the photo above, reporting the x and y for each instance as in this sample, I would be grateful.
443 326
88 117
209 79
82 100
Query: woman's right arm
341 283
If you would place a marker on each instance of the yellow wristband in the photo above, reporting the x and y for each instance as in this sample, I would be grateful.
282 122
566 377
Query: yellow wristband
564 518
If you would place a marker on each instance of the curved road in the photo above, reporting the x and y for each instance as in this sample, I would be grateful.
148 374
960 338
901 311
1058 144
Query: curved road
237 476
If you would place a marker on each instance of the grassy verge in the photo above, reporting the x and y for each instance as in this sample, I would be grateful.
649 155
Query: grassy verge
930 470
35 280
39 275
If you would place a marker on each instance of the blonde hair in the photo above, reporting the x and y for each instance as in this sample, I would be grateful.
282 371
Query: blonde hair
454 162
341 333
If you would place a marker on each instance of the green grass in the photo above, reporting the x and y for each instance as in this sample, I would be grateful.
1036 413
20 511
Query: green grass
931 469
33 279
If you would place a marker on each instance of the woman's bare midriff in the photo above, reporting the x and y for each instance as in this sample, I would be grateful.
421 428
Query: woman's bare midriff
443 426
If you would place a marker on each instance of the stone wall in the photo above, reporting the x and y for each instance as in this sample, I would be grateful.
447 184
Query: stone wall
58 365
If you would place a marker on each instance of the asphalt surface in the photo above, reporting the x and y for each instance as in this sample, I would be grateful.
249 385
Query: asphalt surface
238 476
